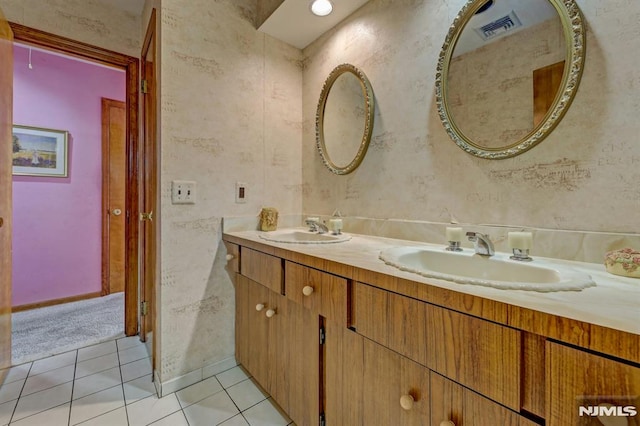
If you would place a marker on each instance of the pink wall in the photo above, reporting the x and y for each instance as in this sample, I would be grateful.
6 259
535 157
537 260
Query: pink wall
57 226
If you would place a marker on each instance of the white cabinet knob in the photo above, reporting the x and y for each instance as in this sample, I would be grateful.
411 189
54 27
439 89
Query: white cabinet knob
230 257
116 212
307 290
259 307
447 423
406 402
270 313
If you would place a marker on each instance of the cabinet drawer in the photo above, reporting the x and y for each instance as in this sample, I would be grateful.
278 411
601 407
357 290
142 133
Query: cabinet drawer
394 321
262 268
475 353
323 293
578 379
451 402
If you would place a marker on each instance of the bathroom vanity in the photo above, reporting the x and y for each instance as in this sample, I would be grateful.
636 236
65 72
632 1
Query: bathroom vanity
338 337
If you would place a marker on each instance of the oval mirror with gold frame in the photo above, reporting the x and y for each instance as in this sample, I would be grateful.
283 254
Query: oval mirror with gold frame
344 119
507 73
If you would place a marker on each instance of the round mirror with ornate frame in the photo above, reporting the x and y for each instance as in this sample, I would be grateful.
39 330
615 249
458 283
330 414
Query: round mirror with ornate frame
344 119
507 72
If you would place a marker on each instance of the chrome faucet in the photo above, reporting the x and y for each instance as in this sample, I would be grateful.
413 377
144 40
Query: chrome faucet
481 243
316 226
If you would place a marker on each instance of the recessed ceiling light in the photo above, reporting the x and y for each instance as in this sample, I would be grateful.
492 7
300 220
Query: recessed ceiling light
321 7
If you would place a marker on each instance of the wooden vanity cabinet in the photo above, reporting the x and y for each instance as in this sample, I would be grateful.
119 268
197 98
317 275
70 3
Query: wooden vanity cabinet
391 359
578 378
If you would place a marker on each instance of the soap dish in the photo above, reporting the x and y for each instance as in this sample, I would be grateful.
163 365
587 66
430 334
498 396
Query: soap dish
624 262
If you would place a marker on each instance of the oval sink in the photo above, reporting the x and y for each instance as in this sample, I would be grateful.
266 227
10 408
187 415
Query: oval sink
302 236
497 271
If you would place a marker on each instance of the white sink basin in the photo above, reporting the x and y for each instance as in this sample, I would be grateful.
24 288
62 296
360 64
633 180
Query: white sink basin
496 271
302 236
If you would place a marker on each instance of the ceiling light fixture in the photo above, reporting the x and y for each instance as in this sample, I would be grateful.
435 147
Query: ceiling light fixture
321 7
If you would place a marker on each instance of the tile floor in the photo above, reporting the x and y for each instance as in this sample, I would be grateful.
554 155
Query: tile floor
109 384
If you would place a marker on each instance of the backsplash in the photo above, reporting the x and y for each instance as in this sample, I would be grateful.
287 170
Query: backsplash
567 245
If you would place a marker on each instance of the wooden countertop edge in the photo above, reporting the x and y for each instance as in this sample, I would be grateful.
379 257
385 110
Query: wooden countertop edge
601 339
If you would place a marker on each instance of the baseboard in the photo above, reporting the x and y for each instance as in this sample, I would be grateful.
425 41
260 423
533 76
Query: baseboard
192 377
45 303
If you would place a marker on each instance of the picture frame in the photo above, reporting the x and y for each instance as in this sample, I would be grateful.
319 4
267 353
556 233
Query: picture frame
39 152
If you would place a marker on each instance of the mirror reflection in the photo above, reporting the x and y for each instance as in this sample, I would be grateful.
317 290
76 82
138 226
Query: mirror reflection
344 120
506 78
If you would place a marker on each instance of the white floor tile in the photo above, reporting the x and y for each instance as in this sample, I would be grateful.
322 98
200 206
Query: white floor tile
235 421
96 382
53 362
198 391
48 379
10 391
175 419
18 372
211 411
96 404
151 409
135 369
129 342
96 365
266 413
246 394
6 411
97 350
138 389
233 376
112 418
133 354
57 416
43 400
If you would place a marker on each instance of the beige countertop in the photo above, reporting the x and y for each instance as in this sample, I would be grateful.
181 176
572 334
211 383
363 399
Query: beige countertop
613 303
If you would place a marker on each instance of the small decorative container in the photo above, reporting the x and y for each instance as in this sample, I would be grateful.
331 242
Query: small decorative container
268 219
624 262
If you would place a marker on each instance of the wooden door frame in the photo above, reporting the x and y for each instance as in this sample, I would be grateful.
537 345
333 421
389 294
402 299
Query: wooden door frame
131 66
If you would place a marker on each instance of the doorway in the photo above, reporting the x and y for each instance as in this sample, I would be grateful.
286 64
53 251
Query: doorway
130 210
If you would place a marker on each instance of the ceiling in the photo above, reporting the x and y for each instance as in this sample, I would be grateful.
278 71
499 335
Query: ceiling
293 22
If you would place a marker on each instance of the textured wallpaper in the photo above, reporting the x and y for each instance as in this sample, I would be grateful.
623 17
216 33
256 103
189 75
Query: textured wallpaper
230 111
582 177
90 21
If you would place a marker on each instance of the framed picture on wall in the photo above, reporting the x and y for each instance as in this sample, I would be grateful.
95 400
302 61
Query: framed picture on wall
39 152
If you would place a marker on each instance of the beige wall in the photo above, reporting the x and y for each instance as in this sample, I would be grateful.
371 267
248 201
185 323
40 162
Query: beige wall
90 21
230 111
582 177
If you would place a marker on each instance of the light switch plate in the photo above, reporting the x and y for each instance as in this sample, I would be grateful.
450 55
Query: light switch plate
183 192
241 192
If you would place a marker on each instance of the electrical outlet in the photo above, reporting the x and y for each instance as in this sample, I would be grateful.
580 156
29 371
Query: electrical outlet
241 192
183 192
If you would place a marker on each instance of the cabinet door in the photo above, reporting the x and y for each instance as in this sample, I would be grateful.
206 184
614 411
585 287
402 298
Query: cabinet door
454 405
580 382
395 389
303 366
261 343
343 380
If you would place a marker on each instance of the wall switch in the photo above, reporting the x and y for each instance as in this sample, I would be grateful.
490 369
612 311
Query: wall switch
183 192
241 192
